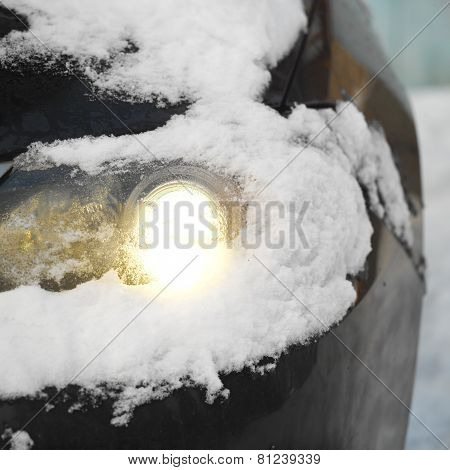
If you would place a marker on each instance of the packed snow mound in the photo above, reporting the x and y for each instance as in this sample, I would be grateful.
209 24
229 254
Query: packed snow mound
370 158
217 54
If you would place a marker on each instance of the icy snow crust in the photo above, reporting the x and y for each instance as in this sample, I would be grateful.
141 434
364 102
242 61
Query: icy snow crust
217 55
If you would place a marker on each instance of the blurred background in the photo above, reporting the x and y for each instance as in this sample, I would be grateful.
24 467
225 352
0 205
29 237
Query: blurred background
424 67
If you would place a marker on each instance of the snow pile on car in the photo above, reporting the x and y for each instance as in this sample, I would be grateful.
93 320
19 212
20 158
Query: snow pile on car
19 440
159 49
215 54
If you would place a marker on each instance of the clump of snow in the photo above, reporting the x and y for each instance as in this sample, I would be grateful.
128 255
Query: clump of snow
369 157
19 440
216 54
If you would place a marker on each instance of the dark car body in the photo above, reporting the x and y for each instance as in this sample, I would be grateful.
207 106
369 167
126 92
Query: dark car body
348 389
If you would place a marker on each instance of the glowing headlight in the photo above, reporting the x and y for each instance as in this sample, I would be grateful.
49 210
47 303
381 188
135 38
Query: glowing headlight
177 223
60 235
181 221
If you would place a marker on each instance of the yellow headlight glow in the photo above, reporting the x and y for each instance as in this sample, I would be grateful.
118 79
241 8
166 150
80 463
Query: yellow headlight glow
182 223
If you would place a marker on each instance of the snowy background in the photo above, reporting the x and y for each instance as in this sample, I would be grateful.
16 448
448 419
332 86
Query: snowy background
431 401
425 68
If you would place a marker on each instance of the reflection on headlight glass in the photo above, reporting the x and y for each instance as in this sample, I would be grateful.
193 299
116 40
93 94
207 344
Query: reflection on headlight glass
57 241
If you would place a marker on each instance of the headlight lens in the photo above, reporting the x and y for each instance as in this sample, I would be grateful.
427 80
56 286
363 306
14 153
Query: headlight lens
179 222
58 230
178 215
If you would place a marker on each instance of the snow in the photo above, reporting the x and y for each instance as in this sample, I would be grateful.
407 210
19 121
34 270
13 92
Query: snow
218 58
370 159
431 400
183 47
19 440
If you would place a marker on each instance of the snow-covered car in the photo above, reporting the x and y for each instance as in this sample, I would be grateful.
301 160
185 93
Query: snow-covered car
311 347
